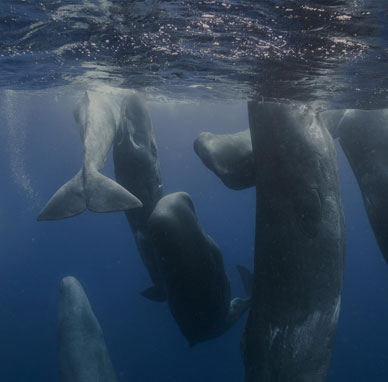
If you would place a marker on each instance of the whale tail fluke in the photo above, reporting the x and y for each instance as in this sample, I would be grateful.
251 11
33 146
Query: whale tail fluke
154 293
105 195
94 191
247 279
68 201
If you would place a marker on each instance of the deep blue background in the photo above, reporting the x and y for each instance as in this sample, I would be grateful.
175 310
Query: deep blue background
40 149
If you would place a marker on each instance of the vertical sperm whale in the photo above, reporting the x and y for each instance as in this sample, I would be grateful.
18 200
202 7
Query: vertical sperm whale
299 248
230 156
89 189
363 135
137 169
198 289
83 356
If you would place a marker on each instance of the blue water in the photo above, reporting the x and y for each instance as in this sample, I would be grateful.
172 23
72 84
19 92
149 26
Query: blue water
41 149
47 56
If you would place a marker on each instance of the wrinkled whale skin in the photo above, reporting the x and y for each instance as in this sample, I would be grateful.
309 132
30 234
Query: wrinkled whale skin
299 248
137 169
83 356
363 135
198 289
229 156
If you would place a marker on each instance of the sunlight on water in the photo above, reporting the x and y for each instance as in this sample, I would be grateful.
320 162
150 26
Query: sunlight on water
323 50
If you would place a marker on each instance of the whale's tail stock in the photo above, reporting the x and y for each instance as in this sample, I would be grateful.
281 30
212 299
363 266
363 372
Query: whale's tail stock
88 189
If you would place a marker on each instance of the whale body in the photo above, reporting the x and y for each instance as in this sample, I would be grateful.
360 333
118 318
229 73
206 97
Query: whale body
198 289
299 247
83 356
363 135
230 156
137 169
89 189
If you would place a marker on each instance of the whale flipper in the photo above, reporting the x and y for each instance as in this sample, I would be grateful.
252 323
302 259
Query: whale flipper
154 293
105 195
246 278
83 356
238 306
68 201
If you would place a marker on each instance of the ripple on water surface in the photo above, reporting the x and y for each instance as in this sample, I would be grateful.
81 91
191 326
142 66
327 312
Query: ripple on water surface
332 51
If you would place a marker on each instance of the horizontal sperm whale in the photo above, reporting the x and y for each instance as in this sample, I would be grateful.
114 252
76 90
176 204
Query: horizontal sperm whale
83 356
299 247
363 135
89 189
137 169
198 289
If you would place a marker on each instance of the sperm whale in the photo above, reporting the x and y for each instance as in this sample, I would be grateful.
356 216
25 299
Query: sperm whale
83 355
197 287
137 168
299 248
89 189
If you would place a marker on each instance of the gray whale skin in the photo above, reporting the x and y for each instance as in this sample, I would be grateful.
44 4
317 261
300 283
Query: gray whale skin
137 169
363 136
83 356
299 248
229 156
198 289
89 188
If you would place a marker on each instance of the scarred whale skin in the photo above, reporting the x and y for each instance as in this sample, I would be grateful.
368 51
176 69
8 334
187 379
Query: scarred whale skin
229 156
89 189
363 135
299 249
83 356
198 289
137 169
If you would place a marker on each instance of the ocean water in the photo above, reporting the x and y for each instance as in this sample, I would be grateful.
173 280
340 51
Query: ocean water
198 62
